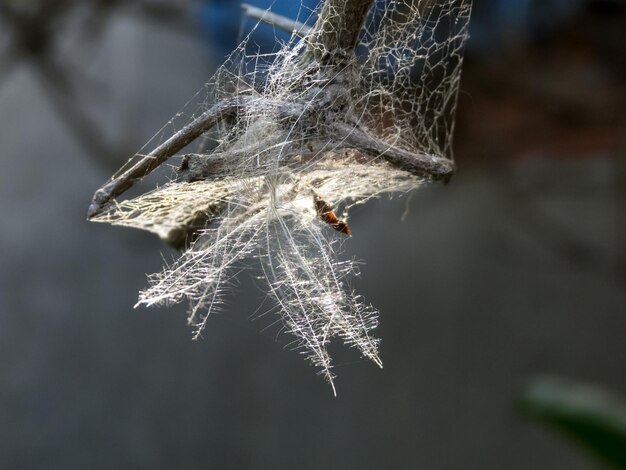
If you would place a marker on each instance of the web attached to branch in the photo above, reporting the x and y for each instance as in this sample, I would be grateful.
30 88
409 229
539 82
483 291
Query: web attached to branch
357 104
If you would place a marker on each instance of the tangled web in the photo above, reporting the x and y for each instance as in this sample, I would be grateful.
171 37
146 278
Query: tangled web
357 103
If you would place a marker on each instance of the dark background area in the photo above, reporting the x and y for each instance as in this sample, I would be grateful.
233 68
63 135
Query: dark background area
515 269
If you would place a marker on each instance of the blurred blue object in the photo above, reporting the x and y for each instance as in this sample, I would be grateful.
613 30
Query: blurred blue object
495 24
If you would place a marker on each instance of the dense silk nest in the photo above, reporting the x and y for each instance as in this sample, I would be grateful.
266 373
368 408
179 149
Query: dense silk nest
360 105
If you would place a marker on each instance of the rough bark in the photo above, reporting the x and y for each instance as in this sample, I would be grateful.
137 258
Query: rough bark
337 28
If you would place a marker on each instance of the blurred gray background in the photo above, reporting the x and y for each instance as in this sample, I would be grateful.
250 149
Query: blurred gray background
517 268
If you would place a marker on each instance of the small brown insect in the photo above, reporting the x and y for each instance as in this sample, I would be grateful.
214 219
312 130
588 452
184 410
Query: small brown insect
325 212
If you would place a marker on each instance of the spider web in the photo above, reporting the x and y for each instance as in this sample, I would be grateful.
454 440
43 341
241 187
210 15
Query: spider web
248 191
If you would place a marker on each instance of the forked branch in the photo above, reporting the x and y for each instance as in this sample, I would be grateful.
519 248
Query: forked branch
333 38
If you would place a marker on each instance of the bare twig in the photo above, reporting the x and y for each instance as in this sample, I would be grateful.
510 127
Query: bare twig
281 22
147 163
419 164
162 152
199 167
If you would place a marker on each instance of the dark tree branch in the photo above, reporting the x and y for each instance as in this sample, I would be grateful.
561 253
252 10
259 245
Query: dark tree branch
337 29
162 152
225 109
420 164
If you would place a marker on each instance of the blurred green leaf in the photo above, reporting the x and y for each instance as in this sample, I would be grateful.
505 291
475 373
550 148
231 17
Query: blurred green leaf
592 417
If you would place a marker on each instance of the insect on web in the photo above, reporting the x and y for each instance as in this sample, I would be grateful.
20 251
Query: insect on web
315 132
